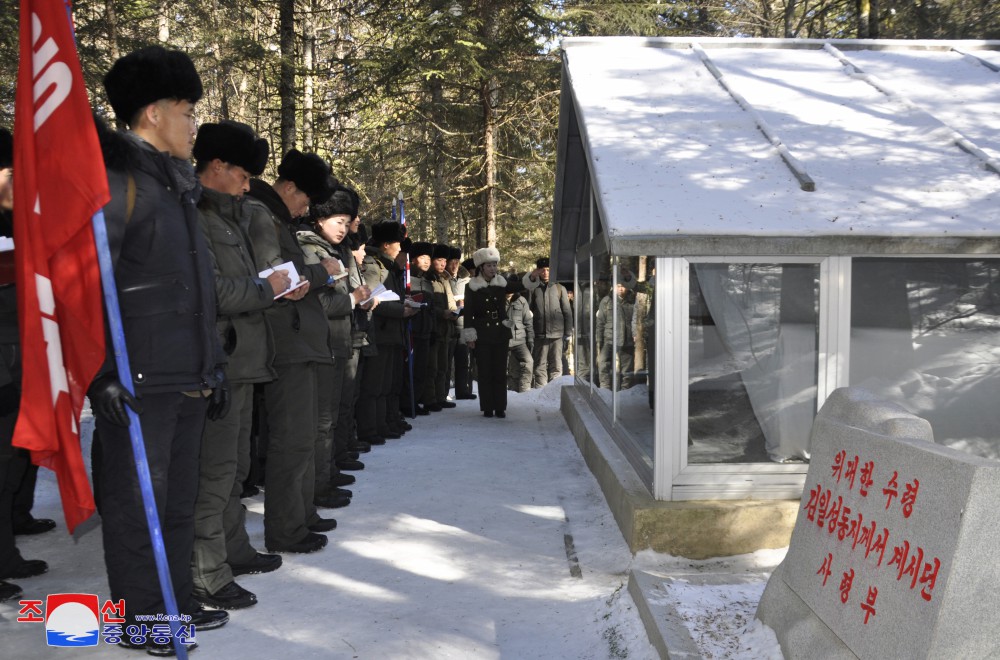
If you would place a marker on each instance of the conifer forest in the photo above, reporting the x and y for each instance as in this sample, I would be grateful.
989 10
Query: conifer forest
453 103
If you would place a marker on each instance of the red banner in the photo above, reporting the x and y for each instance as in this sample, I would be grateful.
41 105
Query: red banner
59 183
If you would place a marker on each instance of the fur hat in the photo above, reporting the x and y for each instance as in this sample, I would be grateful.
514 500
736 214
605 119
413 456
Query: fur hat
486 255
6 148
387 231
355 200
542 262
309 172
149 75
469 265
340 203
420 248
231 142
441 252
454 253
514 284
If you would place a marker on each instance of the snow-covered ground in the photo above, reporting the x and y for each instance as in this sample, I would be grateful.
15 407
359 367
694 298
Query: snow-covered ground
467 538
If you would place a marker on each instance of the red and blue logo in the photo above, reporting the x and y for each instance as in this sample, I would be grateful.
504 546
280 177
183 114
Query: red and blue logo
72 620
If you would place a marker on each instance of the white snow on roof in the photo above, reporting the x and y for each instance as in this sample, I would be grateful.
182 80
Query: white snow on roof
673 153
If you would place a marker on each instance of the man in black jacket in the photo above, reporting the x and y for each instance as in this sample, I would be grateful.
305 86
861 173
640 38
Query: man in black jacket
166 294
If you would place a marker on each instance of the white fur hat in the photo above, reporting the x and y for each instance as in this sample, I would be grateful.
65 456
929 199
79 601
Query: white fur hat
486 255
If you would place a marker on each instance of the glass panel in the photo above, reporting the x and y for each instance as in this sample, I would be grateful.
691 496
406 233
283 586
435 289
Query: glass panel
926 334
601 286
582 337
634 351
753 362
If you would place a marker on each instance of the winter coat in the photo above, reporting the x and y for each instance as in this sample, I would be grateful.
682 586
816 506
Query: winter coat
603 323
370 275
241 296
521 324
387 317
458 282
553 317
444 305
422 324
338 303
486 312
300 329
162 266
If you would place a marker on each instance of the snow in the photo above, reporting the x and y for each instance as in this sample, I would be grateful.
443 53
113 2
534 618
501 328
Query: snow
461 542
876 136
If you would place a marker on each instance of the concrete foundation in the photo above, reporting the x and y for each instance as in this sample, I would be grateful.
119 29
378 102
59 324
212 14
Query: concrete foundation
693 529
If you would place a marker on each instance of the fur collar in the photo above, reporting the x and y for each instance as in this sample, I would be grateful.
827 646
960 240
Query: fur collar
477 282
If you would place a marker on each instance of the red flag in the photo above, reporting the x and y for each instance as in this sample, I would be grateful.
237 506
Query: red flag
59 183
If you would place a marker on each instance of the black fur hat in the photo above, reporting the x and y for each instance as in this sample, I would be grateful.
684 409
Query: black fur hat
6 148
469 264
441 252
358 239
309 172
543 262
355 200
454 253
340 203
231 142
148 75
514 283
420 248
388 231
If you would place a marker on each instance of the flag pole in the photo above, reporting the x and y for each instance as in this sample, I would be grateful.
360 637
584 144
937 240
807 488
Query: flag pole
117 333
409 323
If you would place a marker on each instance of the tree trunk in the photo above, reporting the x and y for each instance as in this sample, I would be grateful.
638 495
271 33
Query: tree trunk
864 11
440 222
286 81
308 55
489 163
163 25
111 18
873 26
789 19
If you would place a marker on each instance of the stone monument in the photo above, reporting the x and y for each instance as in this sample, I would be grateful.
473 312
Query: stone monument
893 551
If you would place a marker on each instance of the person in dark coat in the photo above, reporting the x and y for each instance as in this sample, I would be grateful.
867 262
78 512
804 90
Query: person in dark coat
422 329
325 239
301 339
166 293
15 464
445 312
487 331
378 407
459 278
226 155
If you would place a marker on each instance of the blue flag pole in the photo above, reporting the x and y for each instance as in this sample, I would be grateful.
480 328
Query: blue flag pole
409 324
135 429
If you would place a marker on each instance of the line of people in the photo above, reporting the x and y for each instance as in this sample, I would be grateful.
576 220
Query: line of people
253 331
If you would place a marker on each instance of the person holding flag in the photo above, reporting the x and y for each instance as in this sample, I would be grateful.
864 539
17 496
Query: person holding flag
166 292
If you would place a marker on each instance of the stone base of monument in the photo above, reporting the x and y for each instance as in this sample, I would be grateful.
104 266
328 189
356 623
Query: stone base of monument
893 554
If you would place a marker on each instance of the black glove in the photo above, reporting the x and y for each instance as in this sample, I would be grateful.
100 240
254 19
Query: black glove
108 398
10 398
219 405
